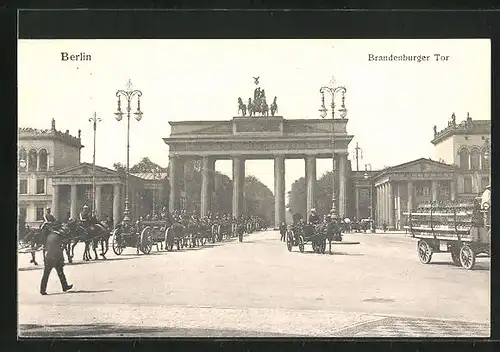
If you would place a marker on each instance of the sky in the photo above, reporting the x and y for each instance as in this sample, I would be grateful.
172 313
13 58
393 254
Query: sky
392 106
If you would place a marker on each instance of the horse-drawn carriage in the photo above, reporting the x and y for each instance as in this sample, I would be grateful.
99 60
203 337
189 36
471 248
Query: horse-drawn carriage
301 234
152 233
131 235
461 227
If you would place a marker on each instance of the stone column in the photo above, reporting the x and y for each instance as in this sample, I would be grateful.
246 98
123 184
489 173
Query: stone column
434 190
74 196
410 196
55 201
379 206
238 177
390 203
98 190
279 194
174 191
37 161
311 183
206 185
342 211
116 204
356 191
453 189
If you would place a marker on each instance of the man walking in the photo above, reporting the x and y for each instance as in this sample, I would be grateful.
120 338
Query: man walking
54 259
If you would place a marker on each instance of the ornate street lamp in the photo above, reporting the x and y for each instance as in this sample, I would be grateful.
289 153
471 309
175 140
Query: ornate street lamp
370 197
323 112
22 164
486 154
128 94
94 119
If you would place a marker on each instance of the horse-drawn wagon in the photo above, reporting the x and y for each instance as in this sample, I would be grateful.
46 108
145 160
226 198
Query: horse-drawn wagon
460 227
152 233
129 235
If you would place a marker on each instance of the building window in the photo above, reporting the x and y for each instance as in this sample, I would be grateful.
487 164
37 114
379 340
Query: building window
43 160
39 213
23 186
474 159
467 184
444 190
32 156
464 159
485 162
40 186
425 191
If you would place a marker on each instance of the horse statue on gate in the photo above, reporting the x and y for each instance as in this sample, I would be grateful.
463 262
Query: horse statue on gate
242 107
274 107
259 104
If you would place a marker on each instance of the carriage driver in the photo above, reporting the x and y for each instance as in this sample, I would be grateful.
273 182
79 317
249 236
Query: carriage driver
85 218
314 218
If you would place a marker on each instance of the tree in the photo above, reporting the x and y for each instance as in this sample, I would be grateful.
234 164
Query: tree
122 169
323 192
146 165
259 199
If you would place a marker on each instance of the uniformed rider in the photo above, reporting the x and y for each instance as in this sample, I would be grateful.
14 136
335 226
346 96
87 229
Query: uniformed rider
85 218
314 218
48 221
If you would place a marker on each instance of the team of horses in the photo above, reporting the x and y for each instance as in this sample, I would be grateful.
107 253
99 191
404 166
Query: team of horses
72 233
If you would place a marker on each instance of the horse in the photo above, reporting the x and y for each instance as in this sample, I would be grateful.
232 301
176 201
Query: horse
95 234
34 240
274 107
242 107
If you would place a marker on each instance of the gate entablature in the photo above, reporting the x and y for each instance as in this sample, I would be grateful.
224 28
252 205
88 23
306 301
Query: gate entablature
258 137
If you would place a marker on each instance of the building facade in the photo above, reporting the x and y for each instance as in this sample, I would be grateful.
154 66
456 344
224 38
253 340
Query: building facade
51 174
461 170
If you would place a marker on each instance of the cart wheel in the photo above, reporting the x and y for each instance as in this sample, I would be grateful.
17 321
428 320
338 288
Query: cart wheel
424 252
146 241
289 239
301 244
455 255
322 246
117 242
467 257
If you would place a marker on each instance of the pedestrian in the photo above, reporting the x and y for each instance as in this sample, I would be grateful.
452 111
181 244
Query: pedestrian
54 259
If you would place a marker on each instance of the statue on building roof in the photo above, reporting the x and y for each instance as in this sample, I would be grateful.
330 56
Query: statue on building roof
79 133
242 107
468 117
274 107
435 131
259 104
453 119
53 124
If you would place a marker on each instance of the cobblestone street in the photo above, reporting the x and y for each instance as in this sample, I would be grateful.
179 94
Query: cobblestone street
377 288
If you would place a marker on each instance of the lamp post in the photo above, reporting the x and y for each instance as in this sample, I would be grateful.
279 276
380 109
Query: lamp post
94 119
323 112
370 197
128 94
156 171
487 148
22 164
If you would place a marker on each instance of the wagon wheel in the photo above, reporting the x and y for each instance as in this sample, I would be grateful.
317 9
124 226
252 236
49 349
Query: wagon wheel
146 240
424 252
455 255
301 244
289 239
117 242
467 257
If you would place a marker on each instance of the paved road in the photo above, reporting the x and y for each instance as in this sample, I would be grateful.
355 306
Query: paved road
377 288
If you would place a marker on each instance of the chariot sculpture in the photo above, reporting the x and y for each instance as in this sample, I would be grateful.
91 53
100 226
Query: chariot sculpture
258 105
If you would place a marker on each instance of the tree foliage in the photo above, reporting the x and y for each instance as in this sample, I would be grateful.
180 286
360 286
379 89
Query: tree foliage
259 199
146 165
323 191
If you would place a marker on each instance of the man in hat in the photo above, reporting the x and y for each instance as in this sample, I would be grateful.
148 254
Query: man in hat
54 259
48 221
313 218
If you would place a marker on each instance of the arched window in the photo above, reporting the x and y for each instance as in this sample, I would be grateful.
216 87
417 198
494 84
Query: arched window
43 160
474 159
485 160
32 156
23 156
464 159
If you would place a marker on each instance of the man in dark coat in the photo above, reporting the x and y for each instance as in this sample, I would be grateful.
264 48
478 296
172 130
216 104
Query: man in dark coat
54 259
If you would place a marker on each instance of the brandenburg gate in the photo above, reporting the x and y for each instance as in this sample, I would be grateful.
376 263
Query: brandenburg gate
258 137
